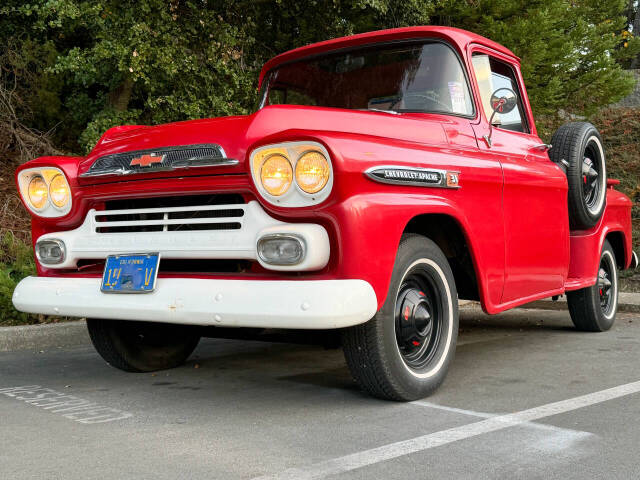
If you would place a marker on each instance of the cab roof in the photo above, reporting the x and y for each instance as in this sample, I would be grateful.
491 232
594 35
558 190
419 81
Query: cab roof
457 37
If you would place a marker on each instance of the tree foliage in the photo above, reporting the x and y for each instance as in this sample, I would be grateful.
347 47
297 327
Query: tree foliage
82 66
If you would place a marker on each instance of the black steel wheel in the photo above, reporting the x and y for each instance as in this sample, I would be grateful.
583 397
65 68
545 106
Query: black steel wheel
404 352
593 309
142 346
418 318
577 147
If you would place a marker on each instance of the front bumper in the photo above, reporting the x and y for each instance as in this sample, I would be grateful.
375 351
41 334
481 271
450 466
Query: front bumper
303 304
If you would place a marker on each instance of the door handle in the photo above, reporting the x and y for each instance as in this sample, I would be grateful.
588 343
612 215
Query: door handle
541 146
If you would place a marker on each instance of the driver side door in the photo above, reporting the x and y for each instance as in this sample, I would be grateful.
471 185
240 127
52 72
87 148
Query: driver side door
534 191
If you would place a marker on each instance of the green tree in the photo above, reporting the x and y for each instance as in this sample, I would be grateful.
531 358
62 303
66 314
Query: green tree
107 62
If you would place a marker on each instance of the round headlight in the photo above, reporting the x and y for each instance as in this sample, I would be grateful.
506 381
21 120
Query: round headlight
38 192
59 191
276 174
312 172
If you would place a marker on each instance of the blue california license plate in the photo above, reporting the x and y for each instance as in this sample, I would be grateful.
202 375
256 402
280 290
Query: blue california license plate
130 273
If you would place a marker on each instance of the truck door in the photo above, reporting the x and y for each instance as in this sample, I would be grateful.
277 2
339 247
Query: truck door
535 189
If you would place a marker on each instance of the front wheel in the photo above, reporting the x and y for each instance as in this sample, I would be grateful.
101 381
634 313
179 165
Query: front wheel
142 346
403 353
593 309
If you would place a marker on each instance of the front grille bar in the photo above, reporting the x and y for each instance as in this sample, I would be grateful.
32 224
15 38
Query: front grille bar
200 217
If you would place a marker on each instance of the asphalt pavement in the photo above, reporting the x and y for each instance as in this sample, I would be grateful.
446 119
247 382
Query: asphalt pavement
527 396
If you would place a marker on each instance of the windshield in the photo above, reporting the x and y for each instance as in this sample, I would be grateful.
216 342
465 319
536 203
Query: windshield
426 77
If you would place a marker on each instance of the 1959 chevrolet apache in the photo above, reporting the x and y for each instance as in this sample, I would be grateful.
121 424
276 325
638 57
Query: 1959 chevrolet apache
383 177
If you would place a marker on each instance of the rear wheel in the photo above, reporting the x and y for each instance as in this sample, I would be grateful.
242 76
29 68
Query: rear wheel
403 353
593 309
142 346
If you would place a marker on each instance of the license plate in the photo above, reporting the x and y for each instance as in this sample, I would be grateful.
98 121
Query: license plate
130 273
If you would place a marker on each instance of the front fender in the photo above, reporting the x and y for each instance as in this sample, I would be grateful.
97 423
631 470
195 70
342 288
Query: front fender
370 229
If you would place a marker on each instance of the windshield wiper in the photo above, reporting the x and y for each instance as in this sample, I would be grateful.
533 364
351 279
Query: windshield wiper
391 112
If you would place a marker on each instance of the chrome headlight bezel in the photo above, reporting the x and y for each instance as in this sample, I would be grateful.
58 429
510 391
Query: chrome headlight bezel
293 151
49 210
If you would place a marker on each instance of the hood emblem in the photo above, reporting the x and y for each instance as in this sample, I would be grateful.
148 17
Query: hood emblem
146 160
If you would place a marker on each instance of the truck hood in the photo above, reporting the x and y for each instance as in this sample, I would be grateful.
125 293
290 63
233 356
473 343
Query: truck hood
240 134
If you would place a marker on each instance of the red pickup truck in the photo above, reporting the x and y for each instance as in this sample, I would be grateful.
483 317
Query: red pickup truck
383 177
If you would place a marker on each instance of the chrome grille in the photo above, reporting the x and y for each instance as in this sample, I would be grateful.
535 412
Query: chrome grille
186 156
171 214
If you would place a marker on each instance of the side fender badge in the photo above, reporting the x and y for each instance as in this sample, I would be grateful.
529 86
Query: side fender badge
419 177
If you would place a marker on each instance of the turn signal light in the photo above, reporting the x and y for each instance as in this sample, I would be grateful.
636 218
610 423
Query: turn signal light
50 252
281 249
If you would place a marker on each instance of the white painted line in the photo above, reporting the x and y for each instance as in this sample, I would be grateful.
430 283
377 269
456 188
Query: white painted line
69 406
398 449
472 413
461 411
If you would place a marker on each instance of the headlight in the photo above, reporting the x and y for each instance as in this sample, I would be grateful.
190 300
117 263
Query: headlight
277 169
38 192
312 171
59 191
276 174
45 191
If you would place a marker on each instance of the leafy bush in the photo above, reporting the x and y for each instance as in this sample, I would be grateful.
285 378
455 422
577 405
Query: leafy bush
16 262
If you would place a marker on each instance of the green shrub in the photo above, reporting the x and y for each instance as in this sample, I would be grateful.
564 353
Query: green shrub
16 262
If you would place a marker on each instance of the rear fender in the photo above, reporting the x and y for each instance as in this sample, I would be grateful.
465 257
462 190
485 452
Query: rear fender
586 245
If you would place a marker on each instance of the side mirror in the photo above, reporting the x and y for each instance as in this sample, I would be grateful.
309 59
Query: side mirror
503 100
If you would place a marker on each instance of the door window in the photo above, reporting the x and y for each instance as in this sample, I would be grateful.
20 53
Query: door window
491 75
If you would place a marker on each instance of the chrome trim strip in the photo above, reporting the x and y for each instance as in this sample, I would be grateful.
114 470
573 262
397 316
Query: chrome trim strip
419 177
181 166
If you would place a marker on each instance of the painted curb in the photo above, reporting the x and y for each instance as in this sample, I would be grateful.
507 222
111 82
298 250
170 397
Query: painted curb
48 336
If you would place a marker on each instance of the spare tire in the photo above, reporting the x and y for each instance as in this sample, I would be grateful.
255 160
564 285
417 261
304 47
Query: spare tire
577 147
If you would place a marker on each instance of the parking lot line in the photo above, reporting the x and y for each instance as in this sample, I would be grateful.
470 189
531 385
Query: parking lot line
444 437
461 411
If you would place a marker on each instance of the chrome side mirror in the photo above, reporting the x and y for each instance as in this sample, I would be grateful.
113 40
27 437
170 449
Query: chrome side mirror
503 100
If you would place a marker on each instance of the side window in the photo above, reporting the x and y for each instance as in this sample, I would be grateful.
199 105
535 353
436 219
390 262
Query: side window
491 75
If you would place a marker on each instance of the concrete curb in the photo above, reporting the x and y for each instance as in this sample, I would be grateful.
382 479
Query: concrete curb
627 302
74 334
40 337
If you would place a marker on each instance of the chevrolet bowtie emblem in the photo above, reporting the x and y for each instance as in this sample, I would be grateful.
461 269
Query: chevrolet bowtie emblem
146 160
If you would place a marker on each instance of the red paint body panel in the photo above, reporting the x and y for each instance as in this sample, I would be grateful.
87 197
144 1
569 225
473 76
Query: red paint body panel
511 207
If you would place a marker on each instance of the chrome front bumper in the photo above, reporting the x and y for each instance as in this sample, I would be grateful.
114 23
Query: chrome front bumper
304 304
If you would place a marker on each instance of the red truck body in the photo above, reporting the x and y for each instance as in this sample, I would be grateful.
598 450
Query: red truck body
510 209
